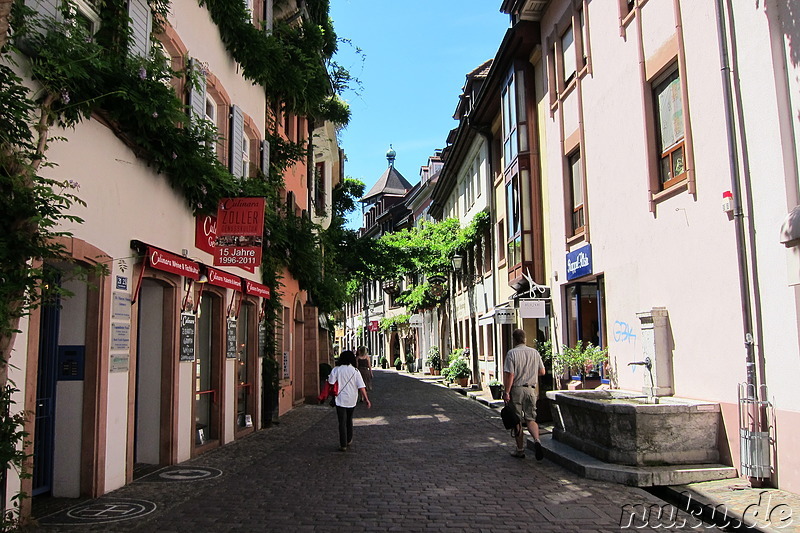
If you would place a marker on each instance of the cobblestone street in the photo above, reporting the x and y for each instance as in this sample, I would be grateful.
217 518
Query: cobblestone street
424 458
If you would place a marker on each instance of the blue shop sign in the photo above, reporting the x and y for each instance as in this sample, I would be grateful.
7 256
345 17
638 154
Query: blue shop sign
579 262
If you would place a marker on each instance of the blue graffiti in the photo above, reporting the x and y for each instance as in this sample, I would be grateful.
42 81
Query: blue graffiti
623 332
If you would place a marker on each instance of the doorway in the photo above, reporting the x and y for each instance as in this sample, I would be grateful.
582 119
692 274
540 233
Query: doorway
149 362
586 313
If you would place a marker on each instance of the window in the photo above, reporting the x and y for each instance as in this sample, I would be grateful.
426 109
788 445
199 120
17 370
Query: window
245 156
513 215
501 234
576 193
568 57
319 187
668 111
211 110
509 121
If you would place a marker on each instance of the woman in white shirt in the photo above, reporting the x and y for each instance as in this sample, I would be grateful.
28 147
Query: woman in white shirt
350 385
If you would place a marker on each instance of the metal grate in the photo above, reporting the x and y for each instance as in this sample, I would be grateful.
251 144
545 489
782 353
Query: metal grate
754 431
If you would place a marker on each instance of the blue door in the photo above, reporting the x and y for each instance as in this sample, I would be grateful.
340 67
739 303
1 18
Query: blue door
46 397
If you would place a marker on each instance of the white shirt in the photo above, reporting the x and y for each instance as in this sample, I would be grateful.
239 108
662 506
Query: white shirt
350 381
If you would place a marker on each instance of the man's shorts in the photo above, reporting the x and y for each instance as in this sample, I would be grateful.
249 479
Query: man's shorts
524 401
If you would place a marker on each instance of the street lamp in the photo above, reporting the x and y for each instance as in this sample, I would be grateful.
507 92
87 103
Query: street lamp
458 262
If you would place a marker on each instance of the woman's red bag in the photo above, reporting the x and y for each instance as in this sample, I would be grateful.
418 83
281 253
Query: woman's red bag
328 391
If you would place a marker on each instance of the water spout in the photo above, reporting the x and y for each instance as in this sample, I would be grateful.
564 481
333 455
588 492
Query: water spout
647 363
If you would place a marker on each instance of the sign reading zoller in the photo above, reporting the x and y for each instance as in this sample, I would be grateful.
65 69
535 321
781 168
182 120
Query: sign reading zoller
579 262
240 232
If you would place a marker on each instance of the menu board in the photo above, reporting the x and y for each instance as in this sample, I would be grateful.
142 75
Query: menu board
230 351
188 326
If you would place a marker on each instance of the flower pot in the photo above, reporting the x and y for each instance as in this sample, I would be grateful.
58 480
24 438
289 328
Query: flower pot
433 371
463 381
497 391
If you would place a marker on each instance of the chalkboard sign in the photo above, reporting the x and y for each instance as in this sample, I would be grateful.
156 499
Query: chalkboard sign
262 338
188 325
231 336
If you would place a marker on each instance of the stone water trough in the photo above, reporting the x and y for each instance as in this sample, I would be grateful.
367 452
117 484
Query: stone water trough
623 428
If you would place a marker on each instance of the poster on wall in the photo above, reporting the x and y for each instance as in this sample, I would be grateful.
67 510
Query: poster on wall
205 236
230 351
188 325
240 232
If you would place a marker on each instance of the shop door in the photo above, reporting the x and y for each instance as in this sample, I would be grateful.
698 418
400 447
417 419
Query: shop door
586 313
44 436
147 431
207 384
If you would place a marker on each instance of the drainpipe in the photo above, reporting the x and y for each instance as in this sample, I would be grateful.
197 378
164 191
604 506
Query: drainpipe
737 179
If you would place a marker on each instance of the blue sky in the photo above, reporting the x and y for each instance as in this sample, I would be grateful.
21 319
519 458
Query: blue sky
415 56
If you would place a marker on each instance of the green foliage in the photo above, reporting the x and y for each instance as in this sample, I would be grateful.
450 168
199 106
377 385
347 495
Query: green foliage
579 358
291 61
434 359
495 383
12 437
394 321
457 369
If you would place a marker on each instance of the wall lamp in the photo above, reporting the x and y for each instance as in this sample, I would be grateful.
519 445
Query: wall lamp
458 262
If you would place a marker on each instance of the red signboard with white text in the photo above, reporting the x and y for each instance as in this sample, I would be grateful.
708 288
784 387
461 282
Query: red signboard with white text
172 263
223 279
240 232
256 289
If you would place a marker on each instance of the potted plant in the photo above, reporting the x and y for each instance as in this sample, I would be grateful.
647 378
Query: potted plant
384 362
398 363
434 361
411 362
497 389
459 371
579 363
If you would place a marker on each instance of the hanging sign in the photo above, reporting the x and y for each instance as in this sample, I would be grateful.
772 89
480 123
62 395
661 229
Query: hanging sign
415 321
188 323
240 232
507 315
532 309
579 262
256 289
373 325
223 279
175 264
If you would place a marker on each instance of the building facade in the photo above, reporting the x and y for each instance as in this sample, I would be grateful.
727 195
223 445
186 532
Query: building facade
163 358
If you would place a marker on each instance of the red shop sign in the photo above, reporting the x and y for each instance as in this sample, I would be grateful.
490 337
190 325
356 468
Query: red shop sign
205 232
256 289
223 279
241 216
373 325
172 263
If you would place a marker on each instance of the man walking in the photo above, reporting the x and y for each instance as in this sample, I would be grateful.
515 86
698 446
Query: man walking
521 370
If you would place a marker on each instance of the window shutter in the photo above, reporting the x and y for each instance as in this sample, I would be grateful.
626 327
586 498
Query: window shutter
141 21
237 132
46 8
269 14
197 95
265 157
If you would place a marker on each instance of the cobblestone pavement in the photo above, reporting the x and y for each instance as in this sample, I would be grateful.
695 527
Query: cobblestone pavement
423 459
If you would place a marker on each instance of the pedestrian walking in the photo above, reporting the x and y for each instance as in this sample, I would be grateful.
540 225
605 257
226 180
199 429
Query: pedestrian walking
521 370
364 365
350 385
